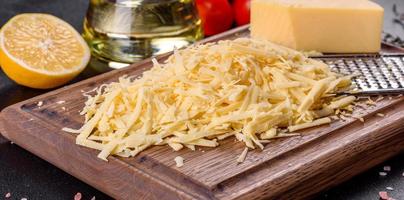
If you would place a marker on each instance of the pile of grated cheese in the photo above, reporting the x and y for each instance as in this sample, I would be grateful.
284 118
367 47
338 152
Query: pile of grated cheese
251 89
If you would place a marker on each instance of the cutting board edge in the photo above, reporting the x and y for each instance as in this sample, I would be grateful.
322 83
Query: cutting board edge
374 138
13 112
169 190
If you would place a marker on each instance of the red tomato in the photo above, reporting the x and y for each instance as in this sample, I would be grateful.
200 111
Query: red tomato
241 10
216 15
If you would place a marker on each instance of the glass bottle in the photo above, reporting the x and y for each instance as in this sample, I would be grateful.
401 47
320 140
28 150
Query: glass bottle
120 32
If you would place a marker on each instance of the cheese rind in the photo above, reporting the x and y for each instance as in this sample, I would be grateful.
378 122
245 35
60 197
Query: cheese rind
327 26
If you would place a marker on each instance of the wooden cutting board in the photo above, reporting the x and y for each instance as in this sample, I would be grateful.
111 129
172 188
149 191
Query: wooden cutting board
289 168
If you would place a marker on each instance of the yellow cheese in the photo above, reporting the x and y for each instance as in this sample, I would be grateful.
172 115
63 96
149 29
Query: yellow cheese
328 26
242 156
247 88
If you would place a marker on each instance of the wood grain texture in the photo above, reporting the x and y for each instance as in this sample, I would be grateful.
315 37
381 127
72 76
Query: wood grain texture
290 168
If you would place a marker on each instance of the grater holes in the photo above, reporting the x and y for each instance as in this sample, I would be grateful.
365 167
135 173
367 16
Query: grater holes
375 73
367 75
400 64
375 66
349 65
337 66
398 68
383 74
360 80
392 73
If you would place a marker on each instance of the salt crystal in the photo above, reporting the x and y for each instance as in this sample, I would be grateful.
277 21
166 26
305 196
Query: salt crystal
24 198
60 102
8 195
77 196
383 195
40 103
93 198
390 188
179 161
387 168
382 173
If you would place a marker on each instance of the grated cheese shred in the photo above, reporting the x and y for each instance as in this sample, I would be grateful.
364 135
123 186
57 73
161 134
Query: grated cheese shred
242 156
247 88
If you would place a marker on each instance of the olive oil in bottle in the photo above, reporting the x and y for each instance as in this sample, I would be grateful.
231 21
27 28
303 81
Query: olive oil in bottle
120 32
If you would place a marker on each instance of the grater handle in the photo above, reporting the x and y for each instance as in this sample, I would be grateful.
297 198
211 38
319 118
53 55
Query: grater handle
399 91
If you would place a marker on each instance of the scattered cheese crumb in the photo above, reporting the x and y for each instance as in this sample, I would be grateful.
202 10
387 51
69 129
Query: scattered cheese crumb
69 130
380 114
317 122
175 146
269 134
334 117
206 93
179 161
360 119
379 98
282 135
40 103
370 101
243 155
347 114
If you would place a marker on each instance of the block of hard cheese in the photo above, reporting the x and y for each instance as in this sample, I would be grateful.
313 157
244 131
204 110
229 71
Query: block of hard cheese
328 26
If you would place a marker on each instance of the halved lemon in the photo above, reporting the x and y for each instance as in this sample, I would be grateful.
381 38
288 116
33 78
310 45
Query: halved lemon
41 50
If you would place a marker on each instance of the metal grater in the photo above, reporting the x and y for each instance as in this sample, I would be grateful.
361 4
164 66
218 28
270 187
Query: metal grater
377 73
381 73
